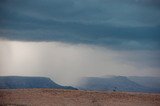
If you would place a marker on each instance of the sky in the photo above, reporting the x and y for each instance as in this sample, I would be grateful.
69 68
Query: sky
69 39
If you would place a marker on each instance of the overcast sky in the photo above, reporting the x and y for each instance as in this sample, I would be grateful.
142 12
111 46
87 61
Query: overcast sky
68 39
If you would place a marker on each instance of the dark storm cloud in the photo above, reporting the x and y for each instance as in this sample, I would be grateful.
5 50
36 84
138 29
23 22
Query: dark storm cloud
128 24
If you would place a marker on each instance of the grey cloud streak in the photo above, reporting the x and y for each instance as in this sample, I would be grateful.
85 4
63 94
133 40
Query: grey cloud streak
125 24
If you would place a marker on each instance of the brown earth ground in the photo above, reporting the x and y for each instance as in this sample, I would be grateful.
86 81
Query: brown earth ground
55 97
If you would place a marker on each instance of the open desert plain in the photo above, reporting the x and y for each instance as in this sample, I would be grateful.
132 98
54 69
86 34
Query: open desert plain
59 97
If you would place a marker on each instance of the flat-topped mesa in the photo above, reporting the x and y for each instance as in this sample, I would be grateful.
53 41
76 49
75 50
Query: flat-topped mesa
16 82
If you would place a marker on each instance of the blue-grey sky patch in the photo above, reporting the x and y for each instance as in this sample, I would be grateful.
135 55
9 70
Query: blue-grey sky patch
119 24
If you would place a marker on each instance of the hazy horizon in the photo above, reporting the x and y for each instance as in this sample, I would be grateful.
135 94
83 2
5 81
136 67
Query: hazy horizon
65 63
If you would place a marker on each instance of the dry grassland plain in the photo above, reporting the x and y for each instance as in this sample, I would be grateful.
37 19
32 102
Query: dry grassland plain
59 97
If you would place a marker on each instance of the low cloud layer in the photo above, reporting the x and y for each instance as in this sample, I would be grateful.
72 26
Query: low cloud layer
118 24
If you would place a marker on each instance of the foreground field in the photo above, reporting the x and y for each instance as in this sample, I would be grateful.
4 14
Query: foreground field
55 97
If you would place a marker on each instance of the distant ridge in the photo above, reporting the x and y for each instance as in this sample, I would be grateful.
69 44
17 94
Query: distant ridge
16 82
114 83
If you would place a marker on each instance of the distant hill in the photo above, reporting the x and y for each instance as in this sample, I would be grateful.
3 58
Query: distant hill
15 82
113 83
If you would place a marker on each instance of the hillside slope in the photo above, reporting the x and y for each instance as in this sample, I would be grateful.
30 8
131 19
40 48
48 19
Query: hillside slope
153 82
